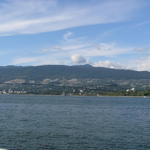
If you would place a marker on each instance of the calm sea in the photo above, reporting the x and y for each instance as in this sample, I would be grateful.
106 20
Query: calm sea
74 123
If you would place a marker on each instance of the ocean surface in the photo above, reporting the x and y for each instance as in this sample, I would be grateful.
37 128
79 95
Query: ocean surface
74 123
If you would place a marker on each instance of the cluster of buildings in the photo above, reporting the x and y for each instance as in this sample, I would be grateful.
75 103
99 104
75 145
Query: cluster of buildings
130 90
12 92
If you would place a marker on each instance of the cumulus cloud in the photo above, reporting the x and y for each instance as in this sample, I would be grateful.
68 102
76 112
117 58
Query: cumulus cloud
78 59
75 51
36 16
78 50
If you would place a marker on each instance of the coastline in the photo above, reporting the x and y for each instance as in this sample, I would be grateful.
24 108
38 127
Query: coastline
76 95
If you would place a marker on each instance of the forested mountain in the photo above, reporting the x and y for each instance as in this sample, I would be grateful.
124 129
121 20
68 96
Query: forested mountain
67 72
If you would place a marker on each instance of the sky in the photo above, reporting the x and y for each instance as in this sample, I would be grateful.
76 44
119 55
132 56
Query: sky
102 33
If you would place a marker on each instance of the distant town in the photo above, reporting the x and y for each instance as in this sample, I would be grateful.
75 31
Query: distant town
84 87
83 80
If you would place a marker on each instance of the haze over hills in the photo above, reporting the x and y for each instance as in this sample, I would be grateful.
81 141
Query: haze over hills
38 73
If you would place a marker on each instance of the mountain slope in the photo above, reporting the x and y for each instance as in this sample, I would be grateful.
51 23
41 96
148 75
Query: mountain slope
68 72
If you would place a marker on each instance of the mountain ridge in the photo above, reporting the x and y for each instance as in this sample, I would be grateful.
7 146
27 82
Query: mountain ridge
68 72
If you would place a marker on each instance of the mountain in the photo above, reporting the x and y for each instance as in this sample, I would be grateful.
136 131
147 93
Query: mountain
38 73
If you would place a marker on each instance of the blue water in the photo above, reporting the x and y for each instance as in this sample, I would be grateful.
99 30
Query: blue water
74 123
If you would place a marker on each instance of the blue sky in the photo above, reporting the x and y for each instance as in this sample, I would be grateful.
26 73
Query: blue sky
105 33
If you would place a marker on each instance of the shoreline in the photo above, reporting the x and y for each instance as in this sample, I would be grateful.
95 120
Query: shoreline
75 95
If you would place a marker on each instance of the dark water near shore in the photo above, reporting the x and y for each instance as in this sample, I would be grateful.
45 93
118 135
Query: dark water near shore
74 123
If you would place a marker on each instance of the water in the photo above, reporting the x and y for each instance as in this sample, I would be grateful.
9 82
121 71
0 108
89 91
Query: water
74 123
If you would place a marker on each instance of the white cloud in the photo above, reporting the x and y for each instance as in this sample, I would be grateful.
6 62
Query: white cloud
142 50
107 50
83 47
74 58
74 51
25 60
38 60
142 64
109 64
78 59
70 47
35 16
68 35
